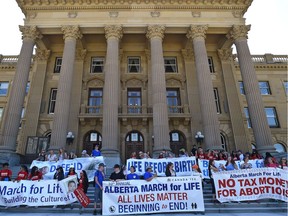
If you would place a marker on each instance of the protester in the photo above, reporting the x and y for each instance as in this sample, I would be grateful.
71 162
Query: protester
71 172
98 179
41 156
283 163
148 154
132 175
5 173
167 154
270 163
267 156
255 155
246 164
59 174
96 152
169 170
35 174
72 155
22 174
230 164
182 153
193 150
83 182
148 175
221 156
234 156
209 155
133 155
140 155
84 154
62 154
161 155
212 168
51 156
200 153
240 155
117 175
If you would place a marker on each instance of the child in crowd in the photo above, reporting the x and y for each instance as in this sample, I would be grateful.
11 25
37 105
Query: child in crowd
35 174
5 173
22 174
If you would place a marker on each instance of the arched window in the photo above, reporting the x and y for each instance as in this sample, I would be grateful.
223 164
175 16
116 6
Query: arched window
134 136
279 147
177 141
223 141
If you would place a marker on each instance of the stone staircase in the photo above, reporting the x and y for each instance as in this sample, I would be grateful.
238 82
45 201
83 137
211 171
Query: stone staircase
264 205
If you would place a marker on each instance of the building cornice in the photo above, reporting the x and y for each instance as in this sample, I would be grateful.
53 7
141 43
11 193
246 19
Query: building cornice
75 5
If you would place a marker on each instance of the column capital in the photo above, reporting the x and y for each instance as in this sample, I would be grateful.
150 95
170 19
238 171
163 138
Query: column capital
71 32
225 54
155 31
238 32
42 55
197 31
30 32
114 31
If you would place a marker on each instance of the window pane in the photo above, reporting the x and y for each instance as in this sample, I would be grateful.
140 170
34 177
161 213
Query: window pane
1 112
175 137
170 64
97 65
264 88
217 100
286 87
211 65
4 88
134 64
52 101
241 87
246 111
27 87
58 63
279 148
93 137
271 116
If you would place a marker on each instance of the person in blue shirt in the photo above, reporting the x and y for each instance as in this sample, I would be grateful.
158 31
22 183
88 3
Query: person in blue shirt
132 175
148 175
99 178
96 152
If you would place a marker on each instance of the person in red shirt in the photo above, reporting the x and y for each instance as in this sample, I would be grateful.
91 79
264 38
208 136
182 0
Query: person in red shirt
271 163
5 173
210 155
22 174
255 155
283 163
35 174
83 181
200 153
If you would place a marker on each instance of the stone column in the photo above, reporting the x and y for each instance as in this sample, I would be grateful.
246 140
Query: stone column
155 34
17 96
207 101
110 130
240 131
32 111
62 106
257 113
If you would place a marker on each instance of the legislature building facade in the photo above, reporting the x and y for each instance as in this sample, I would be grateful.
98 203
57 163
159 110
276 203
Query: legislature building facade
139 75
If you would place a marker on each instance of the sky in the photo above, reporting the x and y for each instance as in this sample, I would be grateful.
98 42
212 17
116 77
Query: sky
268 34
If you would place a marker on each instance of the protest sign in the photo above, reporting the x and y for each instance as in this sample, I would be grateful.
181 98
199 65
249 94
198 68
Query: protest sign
182 165
34 193
89 164
166 194
251 184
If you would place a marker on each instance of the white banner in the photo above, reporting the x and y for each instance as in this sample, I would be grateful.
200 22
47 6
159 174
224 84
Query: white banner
89 164
182 165
34 193
251 184
166 194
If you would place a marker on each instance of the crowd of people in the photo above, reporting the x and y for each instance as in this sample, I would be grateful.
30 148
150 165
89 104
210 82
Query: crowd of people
120 173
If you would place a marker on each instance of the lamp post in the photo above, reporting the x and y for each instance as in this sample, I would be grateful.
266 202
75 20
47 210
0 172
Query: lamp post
199 137
69 138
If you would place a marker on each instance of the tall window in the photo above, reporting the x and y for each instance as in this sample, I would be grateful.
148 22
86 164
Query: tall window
217 100
95 100
134 64
58 63
173 100
52 101
246 111
4 88
223 141
170 64
211 64
285 83
97 65
264 88
134 100
22 116
272 117
1 113
241 88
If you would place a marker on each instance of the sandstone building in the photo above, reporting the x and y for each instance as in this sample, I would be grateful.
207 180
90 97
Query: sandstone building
139 75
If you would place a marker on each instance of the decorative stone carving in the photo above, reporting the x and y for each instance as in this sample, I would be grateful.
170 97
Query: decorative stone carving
81 54
197 31
42 54
155 13
225 54
72 14
30 32
134 83
71 32
155 31
113 31
113 14
238 31
31 15
173 82
188 54
196 14
95 83
237 14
